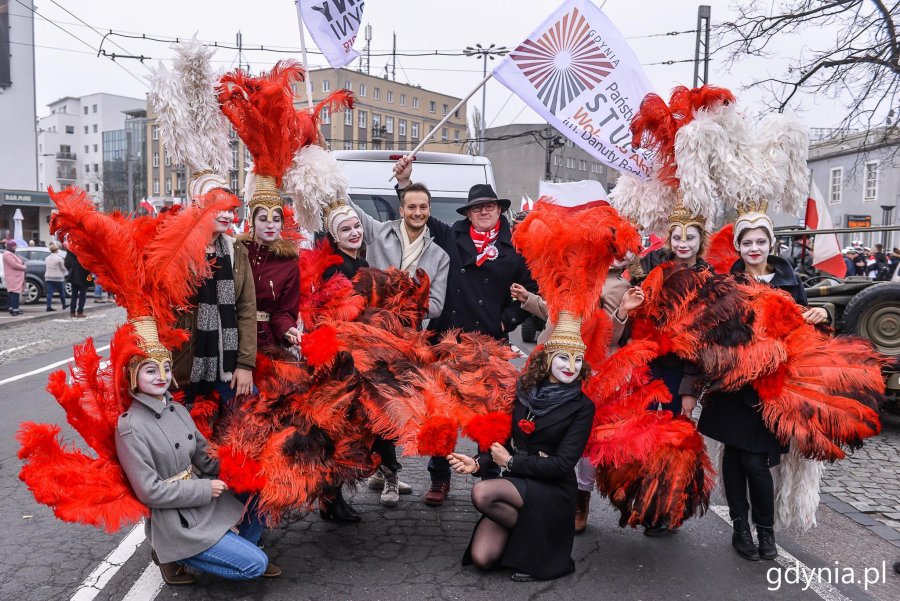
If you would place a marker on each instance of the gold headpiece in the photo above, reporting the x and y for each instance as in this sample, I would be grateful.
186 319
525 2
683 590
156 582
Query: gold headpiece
752 215
335 214
203 181
146 329
566 338
266 196
683 217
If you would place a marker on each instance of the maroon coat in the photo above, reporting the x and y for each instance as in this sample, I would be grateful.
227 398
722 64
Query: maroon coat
276 275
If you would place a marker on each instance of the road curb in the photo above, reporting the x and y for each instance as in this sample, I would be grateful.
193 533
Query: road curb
44 316
865 520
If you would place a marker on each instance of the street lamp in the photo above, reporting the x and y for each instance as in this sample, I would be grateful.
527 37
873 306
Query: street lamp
486 53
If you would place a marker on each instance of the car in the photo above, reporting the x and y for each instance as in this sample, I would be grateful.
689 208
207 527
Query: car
35 286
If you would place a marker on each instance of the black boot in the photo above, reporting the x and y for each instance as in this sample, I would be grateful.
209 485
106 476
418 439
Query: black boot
742 540
338 510
767 548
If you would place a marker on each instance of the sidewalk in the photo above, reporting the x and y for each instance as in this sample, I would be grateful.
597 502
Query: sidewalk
38 312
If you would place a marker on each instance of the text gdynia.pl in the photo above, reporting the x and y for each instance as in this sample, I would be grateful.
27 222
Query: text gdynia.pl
799 574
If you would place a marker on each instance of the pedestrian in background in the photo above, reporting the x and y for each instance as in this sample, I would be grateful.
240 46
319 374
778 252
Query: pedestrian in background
55 273
14 274
79 279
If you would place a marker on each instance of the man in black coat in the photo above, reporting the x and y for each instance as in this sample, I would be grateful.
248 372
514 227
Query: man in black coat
79 278
483 266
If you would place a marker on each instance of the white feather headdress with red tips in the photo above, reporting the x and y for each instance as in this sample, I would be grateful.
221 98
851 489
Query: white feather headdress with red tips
151 265
193 130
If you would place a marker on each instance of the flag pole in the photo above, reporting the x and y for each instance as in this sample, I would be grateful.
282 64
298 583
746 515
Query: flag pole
303 51
446 118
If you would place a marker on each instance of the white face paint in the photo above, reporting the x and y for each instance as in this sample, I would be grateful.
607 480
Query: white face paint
264 230
224 220
565 367
755 246
350 235
685 242
151 381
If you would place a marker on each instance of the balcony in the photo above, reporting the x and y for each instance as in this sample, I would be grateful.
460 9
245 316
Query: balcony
66 175
65 156
379 133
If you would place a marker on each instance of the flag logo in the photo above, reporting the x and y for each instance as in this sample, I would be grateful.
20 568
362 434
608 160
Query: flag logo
563 62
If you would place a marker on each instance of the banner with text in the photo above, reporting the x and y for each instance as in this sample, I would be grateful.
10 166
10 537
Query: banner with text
333 25
578 72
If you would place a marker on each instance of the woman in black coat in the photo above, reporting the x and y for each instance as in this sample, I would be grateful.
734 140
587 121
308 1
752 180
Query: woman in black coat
735 418
529 513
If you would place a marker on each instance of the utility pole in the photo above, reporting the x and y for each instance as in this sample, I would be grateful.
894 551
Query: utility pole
701 49
368 49
129 172
550 141
394 60
240 45
489 52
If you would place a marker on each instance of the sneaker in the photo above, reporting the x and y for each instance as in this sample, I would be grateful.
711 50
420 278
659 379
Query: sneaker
50 309
437 494
522 577
376 482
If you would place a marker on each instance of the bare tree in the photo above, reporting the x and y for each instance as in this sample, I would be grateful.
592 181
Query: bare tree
851 54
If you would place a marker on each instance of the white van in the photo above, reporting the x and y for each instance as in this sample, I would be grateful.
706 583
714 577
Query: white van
448 177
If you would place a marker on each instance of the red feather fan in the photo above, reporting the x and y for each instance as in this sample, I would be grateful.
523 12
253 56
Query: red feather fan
721 254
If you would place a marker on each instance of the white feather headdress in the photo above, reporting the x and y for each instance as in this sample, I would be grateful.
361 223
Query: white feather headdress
191 126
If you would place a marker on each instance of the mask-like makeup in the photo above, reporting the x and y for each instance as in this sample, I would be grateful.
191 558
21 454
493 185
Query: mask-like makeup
566 367
151 381
685 242
755 246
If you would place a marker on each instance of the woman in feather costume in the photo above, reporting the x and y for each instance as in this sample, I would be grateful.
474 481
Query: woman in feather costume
123 409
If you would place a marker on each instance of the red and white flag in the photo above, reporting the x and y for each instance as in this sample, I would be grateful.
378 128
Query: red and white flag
826 255
579 74
145 204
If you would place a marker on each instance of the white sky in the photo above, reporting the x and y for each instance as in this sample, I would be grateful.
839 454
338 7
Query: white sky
419 24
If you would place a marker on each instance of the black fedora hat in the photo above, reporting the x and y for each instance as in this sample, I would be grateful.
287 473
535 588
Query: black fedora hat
480 194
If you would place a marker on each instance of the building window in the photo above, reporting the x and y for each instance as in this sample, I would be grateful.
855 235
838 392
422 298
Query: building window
570 162
70 129
94 108
446 109
348 116
363 120
836 185
389 124
871 192
95 148
556 160
235 155
156 185
86 129
168 186
415 130
156 159
168 160
456 136
390 97
376 120
402 125
96 168
362 145
87 149
362 91
95 128
326 86
595 167
402 99
348 86
85 110
415 102
326 115
431 106
155 134
582 165
444 134
376 94
348 145
234 183
87 167
96 186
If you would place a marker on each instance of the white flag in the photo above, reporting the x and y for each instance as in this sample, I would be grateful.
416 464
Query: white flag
578 72
333 25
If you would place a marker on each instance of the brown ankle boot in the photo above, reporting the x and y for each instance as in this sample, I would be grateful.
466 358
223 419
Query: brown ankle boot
582 507
173 574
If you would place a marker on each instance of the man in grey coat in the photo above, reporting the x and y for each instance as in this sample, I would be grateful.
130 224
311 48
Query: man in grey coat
406 244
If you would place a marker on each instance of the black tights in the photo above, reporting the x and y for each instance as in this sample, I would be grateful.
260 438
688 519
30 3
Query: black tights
743 471
500 502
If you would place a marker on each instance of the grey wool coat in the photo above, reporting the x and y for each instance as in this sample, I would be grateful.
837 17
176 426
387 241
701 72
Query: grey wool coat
384 249
155 441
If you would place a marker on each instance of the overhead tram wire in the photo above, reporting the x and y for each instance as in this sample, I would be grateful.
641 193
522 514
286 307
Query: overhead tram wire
67 32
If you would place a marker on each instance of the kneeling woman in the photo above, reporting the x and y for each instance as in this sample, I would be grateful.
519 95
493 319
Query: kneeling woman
165 459
529 513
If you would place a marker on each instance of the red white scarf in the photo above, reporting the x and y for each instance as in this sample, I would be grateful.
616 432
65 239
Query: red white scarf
484 243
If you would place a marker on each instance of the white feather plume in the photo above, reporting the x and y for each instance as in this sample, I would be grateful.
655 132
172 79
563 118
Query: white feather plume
193 129
784 146
314 180
796 490
647 202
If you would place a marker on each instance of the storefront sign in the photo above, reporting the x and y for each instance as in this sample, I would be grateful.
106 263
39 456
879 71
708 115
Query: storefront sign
24 198
859 221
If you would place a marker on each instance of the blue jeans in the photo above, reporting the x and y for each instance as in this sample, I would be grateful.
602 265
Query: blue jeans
59 287
13 301
232 557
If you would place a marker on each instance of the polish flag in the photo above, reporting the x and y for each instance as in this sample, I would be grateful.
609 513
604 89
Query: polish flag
827 252
145 204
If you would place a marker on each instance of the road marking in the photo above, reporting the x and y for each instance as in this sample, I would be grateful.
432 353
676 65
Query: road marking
104 572
41 370
19 348
147 586
824 589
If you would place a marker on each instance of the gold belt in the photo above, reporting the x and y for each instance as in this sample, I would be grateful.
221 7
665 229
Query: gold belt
262 316
185 475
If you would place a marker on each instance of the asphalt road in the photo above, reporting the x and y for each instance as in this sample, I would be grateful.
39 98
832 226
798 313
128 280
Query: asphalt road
412 551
